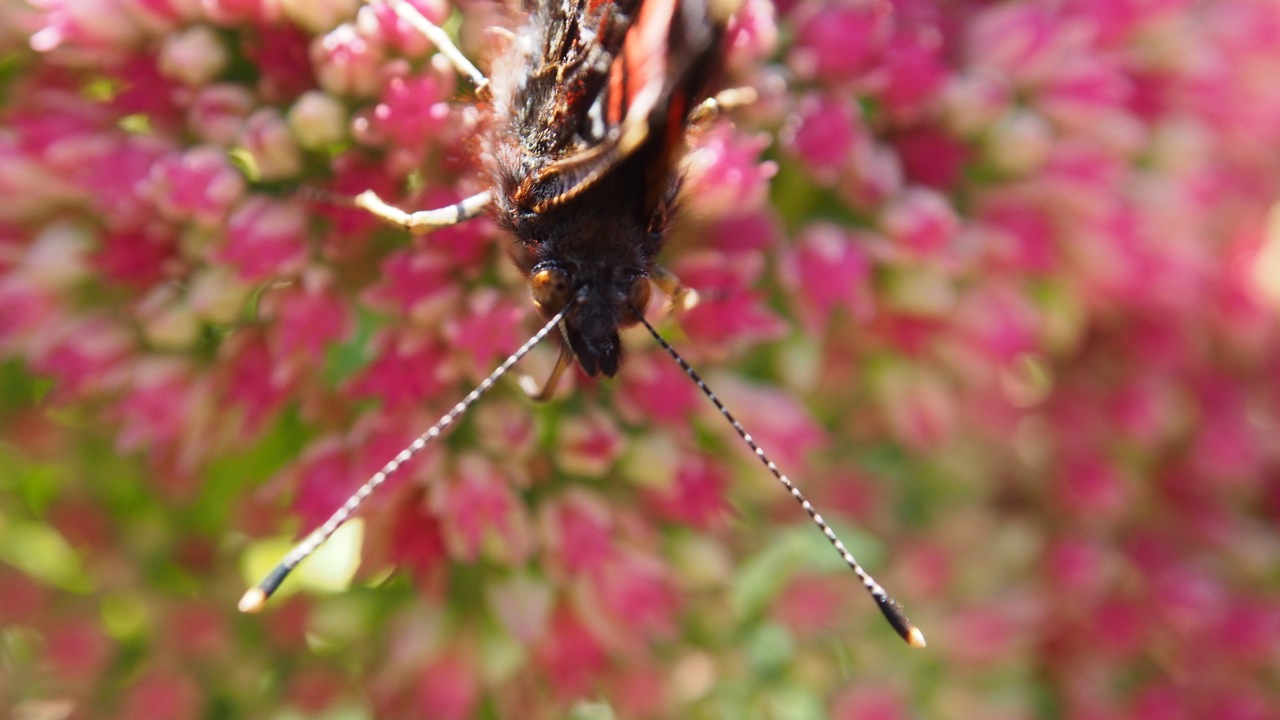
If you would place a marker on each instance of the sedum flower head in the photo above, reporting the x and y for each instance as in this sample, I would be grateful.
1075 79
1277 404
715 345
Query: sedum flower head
992 281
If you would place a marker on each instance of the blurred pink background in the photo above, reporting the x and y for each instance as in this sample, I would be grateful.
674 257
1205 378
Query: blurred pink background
997 283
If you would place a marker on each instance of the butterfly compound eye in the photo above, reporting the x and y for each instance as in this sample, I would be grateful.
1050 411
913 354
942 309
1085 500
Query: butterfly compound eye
550 290
638 296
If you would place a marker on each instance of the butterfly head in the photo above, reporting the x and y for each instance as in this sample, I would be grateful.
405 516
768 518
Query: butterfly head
603 301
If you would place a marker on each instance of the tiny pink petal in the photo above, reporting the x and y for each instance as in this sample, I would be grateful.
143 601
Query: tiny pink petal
265 239
405 371
588 445
487 333
696 497
570 656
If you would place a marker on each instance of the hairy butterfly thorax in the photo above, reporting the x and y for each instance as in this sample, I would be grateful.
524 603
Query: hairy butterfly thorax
582 125
583 132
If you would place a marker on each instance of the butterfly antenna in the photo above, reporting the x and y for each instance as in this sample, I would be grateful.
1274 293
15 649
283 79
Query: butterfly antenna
891 609
254 599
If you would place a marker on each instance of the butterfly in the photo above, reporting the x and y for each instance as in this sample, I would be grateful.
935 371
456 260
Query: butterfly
582 125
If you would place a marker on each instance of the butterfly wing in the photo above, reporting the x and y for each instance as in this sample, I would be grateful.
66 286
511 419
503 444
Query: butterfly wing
591 83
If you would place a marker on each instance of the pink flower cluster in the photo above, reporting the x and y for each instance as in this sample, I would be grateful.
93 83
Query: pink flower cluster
993 280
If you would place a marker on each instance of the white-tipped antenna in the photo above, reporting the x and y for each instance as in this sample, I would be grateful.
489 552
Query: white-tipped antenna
254 599
891 609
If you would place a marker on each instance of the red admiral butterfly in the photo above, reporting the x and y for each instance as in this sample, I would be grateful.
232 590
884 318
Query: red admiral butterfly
583 126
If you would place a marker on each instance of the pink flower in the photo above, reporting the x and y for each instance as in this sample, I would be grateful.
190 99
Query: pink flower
449 689
932 157
1035 229
640 691
1120 628
1228 447
523 604
267 137
84 357
313 690
577 530
406 370
588 445
729 311
231 12
310 318
1023 42
265 239
921 222
811 606
203 627
165 15
480 516
1079 569
198 185
983 636
999 322
973 101
505 428
827 271
696 496
841 42
158 405
637 591
753 31
78 650
467 244
412 111
654 390
915 74
417 285
1020 142
876 176
325 479
252 382
100 25
382 20
921 409
147 92
26 308
870 702
488 333
1145 410
24 598
1019 234
318 15
416 542
57 258
777 421
723 173
194 56
318 120
118 182
746 233
347 62
163 694
135 259
824 133
1092 487
569 655
1081 88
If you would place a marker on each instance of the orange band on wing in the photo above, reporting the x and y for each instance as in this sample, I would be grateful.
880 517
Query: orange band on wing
644 53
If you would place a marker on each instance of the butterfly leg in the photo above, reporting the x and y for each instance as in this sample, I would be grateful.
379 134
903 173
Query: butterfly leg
711 108
683 298
544 392
441 40
424 221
